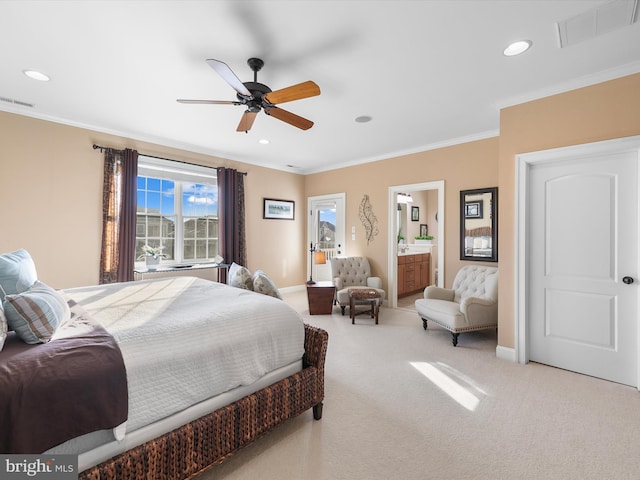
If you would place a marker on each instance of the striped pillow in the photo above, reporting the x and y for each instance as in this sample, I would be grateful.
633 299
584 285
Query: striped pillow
37 313
3 328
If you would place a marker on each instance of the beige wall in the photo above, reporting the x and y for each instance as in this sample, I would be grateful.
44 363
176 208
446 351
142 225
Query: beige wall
465 166
50 188
600 112
51 194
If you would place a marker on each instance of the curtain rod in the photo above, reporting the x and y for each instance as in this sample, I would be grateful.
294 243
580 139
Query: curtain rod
98 147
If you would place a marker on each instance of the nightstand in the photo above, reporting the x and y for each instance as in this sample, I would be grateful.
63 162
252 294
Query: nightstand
320 296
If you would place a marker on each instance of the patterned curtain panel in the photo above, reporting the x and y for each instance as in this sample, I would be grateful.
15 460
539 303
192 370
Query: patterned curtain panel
118 215
232 240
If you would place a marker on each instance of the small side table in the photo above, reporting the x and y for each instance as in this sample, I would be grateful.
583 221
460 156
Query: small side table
320 296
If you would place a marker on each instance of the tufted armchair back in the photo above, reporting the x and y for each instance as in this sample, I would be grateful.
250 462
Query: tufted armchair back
350 271
476 281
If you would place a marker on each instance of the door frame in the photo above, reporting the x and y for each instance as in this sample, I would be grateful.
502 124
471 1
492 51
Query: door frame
341 203
524 163
392 268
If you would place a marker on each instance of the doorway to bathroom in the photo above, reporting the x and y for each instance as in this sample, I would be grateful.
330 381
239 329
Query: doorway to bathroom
415 210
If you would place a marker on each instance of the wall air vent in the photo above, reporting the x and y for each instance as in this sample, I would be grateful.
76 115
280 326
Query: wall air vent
597 21
16 102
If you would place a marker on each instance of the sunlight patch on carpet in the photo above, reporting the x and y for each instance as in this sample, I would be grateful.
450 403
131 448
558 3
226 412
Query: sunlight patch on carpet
448 385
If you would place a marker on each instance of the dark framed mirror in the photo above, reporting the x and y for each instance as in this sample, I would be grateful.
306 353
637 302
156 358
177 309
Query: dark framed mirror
479 224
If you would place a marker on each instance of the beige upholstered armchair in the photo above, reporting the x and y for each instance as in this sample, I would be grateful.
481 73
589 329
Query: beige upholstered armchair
352 272
472 303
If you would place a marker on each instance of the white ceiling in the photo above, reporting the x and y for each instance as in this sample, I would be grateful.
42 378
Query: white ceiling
429 73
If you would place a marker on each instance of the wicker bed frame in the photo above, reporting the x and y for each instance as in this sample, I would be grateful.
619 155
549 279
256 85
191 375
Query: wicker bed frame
188 451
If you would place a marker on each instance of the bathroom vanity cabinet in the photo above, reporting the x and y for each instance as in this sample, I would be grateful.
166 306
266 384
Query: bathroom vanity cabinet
413 273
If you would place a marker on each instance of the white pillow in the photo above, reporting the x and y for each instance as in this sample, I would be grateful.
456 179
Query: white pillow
37 313
240 277
17 272
263 284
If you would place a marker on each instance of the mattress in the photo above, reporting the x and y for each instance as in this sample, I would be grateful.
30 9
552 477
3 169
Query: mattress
185 340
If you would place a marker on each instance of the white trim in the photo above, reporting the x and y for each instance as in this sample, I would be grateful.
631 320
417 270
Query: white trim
293 289
574 84
506 353
524 162
392 265
408 151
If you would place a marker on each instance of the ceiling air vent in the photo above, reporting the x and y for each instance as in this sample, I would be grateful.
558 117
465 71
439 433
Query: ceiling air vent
597 21
16 102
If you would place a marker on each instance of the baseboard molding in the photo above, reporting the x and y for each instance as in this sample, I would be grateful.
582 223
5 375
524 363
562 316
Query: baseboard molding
506 353
295 288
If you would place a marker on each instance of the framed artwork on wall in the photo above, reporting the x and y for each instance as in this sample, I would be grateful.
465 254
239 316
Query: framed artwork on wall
424 230
473 209
415 214
278 209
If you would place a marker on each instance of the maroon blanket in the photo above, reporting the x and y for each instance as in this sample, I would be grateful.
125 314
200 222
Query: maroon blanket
52 392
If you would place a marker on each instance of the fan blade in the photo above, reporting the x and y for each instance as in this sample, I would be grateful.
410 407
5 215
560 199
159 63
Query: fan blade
209 102
246 122
228 76
294 92
288 117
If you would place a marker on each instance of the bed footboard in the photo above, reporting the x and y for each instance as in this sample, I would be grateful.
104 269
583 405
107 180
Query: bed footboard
197 446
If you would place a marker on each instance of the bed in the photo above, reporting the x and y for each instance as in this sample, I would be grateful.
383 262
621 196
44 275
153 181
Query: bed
194 396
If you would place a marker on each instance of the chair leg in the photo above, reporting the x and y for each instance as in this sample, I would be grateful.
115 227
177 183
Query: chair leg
424 323
455 339
342 307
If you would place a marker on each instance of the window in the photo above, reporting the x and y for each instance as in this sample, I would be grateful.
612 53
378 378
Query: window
177 209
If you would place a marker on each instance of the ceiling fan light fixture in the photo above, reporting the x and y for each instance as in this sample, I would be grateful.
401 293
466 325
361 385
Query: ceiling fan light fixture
516 48
35 75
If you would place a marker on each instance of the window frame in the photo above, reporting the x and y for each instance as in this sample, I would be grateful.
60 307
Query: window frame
179 173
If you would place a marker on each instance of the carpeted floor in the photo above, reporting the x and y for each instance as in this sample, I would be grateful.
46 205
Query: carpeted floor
403 403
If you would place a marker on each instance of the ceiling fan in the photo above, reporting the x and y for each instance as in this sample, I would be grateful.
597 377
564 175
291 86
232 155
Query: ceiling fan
257 96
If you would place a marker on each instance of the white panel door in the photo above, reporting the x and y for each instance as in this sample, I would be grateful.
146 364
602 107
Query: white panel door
583 247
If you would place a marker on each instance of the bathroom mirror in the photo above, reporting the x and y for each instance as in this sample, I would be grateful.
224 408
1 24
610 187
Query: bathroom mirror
479 224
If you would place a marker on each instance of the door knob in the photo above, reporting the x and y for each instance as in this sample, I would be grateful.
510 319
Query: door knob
627 280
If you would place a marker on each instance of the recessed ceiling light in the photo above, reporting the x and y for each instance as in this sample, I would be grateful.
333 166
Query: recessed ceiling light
516 48
36 75
263 141
363 119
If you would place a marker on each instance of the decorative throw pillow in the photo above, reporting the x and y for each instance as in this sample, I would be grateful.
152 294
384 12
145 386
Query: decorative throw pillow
3 328
263 284
17 272
37 313
240 277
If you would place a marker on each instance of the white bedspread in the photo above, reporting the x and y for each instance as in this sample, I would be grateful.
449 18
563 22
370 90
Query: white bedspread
185 339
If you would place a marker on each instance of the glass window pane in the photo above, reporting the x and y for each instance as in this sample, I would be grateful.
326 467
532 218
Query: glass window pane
201 249
141 201
189 249
326 228
169 249
201 231
153 202
168 197
141 226
189 228
153 227
153 184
